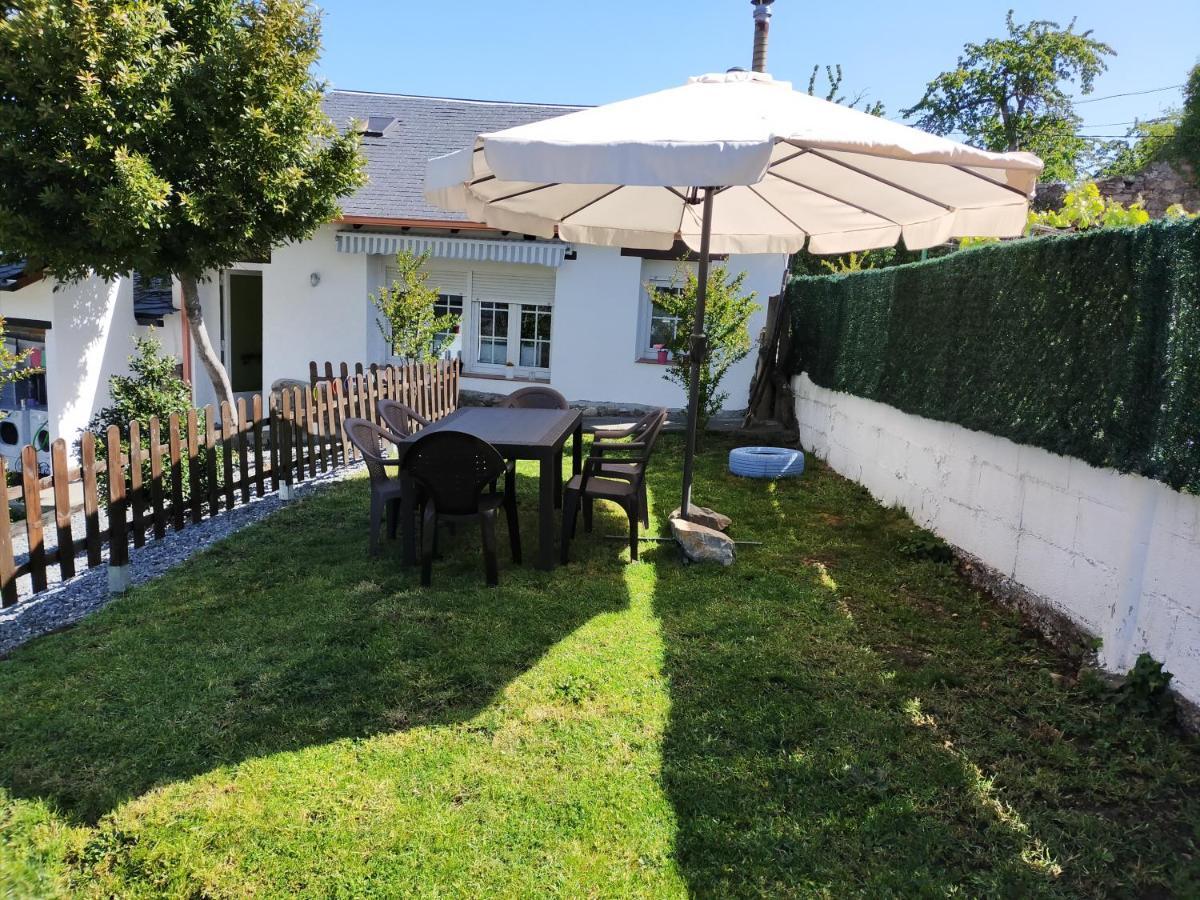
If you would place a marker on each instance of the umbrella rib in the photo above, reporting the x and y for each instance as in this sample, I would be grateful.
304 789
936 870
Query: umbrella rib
891 184
755 192
800 151
1008 187
532 190
836 199
591 202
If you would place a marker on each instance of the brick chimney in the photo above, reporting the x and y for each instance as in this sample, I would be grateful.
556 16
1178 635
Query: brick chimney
762 27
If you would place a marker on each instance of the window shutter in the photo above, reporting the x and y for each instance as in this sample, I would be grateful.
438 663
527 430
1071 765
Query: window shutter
535 286
445 280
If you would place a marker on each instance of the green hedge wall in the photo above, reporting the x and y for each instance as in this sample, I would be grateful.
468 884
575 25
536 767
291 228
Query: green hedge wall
1086 345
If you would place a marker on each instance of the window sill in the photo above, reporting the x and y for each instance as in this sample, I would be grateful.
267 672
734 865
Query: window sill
652 361
490 376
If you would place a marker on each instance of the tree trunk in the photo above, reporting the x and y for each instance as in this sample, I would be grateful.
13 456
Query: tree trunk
190 288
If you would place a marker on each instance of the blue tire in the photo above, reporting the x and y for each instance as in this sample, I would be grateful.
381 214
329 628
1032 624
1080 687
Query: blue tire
766 462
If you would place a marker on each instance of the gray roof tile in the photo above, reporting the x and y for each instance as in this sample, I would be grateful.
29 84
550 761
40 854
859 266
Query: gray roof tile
425 127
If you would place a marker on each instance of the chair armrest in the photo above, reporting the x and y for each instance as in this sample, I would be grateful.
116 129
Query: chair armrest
617 445
607 432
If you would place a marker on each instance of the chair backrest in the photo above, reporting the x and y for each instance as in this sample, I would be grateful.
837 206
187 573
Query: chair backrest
535 397
642 425
398 417
367 437
649 437
453 467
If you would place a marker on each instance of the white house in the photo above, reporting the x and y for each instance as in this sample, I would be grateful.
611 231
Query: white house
575 317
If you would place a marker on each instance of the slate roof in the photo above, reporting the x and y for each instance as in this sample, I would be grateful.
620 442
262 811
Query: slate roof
152 298
425 127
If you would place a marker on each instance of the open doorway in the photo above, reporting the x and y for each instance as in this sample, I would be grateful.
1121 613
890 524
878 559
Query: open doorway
243 337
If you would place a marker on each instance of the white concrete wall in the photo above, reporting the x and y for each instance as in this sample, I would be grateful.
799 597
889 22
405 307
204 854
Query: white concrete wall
594 340
90 339
1119 554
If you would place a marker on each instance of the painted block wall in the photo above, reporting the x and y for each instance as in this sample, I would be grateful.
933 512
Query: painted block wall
90 339
594 338
1119 554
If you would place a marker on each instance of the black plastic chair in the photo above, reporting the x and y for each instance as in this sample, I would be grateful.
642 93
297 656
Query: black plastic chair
399 418
386 491
453 469
626 489
627 471
535 397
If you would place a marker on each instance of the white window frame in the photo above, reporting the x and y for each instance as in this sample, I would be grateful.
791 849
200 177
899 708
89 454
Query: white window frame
659 274
513 339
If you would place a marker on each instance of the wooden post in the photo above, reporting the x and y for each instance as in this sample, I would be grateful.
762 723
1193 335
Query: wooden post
174 444
210 460
33 517
8 566
256 413
274 403
227 437
195 482
91 498
156 480
118 534
137 499
62 508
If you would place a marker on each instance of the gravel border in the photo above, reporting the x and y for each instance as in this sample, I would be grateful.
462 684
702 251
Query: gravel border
66 602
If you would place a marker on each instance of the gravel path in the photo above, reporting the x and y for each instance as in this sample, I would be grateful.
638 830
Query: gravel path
66 602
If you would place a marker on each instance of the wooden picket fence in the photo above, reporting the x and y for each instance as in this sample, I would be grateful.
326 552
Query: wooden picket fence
296 437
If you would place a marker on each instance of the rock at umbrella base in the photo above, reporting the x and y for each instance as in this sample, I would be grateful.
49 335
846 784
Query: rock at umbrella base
701 543
709 518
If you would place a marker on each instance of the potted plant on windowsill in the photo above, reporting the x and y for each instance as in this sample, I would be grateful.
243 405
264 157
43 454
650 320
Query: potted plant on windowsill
510 371
662 354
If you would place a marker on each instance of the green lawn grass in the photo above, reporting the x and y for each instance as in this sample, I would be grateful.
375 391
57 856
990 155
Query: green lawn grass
831 716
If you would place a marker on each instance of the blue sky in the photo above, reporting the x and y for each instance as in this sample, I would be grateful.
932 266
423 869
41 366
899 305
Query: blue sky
593 52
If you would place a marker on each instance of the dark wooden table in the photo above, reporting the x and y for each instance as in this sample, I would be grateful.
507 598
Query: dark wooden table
520 434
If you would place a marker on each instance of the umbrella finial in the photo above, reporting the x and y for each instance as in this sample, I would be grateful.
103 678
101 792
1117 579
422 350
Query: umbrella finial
762 27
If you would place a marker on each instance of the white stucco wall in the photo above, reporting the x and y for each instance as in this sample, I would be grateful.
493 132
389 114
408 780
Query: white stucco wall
594 339
594 343
1119 554
301 322
90 339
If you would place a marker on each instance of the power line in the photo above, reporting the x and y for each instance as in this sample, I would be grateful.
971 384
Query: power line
1133 122
1169 87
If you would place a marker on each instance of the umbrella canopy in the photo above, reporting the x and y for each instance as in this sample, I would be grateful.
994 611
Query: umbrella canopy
733 163
795 171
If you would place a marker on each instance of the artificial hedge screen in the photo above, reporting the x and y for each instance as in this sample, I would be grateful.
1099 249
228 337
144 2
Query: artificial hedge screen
1086 345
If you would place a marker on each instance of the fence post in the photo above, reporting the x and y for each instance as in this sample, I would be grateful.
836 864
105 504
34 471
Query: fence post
33 517
118 536
286 441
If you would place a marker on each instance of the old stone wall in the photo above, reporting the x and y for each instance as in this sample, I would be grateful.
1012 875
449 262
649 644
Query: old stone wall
1158 186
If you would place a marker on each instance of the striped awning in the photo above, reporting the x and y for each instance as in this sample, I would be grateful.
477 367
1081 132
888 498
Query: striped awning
533 253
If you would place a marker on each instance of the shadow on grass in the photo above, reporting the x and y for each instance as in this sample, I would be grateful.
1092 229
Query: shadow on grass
848 720
285 636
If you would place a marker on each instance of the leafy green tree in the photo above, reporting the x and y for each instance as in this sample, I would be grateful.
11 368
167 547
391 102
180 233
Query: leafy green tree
727 312
1187 136
407 319
1009 93
1144 143
165 136
833 92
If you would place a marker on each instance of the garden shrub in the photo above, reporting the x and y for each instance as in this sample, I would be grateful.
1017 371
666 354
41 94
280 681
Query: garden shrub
153 388
1085 345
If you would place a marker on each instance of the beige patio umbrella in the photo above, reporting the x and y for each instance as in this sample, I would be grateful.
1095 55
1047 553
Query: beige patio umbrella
733 163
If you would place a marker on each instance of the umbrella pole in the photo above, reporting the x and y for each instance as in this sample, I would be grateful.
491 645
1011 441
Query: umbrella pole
697 352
